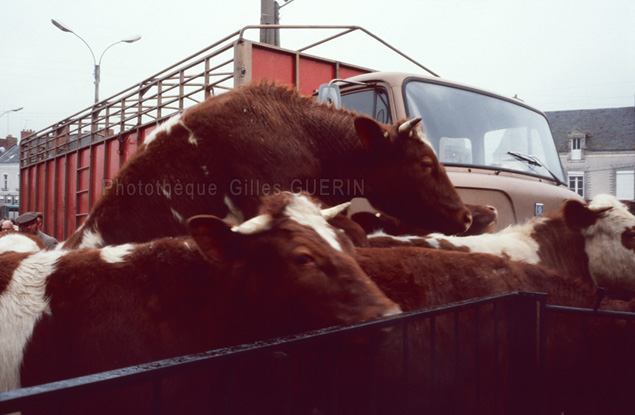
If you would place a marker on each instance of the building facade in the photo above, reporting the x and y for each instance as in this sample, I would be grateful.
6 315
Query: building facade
597 150
9 181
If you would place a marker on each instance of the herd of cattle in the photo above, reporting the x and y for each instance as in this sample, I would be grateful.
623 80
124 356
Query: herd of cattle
152 276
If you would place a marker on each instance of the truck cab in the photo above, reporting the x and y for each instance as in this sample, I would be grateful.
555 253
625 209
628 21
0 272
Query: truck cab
498 151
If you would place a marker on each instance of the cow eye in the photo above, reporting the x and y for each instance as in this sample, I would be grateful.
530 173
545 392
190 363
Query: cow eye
304 259
426 163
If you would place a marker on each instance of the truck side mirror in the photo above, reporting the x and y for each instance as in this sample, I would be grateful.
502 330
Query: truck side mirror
330 93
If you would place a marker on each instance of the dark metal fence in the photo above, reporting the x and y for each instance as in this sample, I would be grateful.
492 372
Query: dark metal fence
487 355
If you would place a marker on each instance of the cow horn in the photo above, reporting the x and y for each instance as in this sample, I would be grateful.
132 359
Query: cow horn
407 126
254 225
332 212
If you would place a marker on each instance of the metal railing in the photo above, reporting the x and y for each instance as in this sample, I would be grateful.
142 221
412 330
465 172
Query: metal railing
186 83
503 327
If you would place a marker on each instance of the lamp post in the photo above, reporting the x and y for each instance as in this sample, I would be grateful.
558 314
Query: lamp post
8 111
96 62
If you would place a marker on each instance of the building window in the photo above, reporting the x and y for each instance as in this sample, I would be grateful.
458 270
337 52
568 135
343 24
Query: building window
576 149
576 182
625 185
5 182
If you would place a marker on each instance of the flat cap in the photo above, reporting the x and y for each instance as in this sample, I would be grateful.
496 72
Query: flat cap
27 217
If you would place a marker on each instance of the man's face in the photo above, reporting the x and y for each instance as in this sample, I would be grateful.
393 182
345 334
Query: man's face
29 227
7 227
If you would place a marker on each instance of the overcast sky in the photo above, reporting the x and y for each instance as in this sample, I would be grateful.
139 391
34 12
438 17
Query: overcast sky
555 54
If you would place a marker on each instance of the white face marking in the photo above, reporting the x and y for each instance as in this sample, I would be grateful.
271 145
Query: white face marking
92 239
117 253
165 127
22 304
307 213
17 243
421 136
608 258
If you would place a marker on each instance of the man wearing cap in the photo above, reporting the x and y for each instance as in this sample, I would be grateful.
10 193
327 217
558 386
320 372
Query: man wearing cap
31 223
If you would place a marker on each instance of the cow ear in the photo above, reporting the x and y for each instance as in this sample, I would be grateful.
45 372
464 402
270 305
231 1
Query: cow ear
371 133
214 237
577 215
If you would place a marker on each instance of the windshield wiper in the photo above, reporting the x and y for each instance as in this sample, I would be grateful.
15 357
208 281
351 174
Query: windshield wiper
535 161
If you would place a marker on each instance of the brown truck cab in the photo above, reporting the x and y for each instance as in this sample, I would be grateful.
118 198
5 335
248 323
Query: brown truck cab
498 151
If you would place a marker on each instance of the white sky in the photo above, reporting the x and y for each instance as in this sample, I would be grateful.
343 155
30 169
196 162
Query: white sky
555 54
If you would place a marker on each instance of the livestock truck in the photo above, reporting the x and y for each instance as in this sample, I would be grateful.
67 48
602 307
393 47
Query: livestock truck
497 150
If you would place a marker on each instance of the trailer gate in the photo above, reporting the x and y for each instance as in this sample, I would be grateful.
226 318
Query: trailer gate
485 355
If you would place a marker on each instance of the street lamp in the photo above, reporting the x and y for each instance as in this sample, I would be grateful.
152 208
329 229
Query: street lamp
8 111
13 110
97 63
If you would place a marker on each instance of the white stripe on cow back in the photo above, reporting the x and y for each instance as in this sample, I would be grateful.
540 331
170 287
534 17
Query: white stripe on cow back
165 127
22 304
92 239
17 242
515 242
116 253
306 213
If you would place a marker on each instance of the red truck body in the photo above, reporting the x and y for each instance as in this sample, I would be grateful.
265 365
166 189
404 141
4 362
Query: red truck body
65 167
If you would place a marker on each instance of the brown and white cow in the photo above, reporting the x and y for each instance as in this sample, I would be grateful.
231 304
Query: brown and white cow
20 242
220 156
469 355
593 243
66 313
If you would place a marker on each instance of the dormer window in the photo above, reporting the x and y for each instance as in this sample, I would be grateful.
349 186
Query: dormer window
576 142
576 148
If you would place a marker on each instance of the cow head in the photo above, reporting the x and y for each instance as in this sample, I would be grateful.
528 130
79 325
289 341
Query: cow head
609 232
407 180
294 266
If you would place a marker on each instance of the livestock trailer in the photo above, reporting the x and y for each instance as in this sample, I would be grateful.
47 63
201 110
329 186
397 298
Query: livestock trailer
498 151
505 354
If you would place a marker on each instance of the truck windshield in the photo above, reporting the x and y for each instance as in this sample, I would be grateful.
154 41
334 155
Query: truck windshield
471 129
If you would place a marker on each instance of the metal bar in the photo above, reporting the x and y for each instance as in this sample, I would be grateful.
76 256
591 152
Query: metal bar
433 361
477 341
348 30
25 398
457 368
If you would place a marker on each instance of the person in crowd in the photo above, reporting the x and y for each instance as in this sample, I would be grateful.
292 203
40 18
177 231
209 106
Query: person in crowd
7 227
32 223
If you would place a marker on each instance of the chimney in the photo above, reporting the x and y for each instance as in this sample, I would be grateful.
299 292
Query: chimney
8 142
26 133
